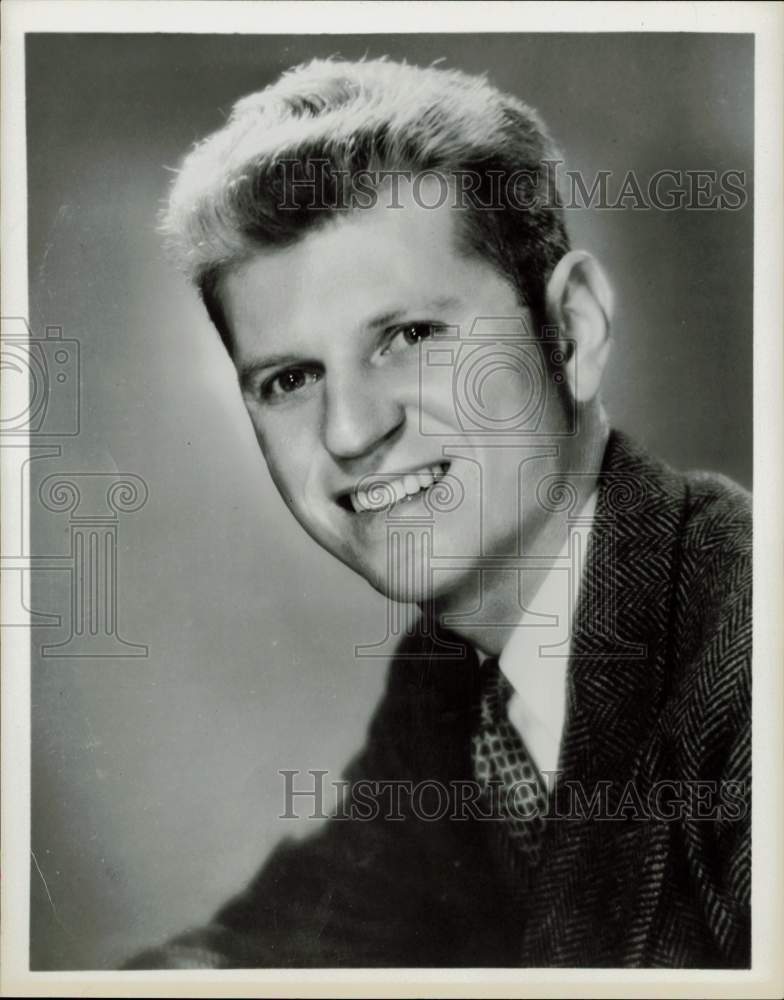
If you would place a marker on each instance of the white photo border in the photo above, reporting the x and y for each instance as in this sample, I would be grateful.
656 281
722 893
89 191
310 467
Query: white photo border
766 22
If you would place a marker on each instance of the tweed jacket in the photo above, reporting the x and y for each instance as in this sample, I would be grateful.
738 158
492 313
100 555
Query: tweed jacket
646 852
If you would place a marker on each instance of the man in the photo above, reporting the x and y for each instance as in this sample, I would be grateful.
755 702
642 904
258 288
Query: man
382 250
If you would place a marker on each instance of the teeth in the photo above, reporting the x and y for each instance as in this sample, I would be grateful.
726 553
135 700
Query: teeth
381 494
411 484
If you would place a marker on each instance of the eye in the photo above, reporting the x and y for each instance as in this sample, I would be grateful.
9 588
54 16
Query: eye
289 382
408 335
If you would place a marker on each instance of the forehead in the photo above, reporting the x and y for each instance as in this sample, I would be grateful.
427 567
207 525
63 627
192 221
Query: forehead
396 255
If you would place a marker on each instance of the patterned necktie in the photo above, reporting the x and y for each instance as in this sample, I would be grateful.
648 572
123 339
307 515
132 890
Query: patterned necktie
510 781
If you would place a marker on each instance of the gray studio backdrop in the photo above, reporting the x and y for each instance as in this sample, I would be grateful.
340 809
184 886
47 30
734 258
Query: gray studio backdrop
155 771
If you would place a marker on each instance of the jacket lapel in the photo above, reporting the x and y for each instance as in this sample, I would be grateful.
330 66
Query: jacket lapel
617 670
594 895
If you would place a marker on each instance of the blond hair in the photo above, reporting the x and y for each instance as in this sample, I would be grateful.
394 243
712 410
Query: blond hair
242 189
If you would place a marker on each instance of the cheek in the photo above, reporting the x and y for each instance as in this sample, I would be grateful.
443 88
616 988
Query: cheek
288 455
505 394
481 390
434 399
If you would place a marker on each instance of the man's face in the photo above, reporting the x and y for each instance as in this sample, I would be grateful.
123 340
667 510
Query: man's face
335 342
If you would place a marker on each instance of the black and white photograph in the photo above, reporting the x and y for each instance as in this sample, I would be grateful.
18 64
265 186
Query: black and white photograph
392 542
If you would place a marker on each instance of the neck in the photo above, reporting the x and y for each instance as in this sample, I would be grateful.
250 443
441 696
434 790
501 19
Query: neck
486 607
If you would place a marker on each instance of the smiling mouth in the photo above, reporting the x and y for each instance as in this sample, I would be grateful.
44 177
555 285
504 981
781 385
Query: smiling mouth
379 493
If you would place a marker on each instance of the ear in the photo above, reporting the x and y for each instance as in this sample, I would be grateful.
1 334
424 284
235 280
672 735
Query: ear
580 303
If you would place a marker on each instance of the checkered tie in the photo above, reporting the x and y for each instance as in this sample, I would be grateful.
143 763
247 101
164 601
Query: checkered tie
509 779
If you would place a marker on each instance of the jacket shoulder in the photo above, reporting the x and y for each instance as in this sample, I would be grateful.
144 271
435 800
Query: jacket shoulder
712 638
715 577
703 521
718 515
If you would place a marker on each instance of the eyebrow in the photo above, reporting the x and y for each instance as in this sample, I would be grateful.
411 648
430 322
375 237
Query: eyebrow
251 369
396 315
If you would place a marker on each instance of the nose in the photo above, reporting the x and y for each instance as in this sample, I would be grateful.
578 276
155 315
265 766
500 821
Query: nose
361 416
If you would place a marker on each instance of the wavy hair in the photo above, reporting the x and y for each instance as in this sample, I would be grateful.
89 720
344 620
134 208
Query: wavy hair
243 189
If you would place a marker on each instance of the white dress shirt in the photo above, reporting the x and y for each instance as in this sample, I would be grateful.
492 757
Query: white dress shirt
536 657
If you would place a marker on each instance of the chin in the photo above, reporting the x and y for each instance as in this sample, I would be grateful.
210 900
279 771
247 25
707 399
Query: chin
400 590
414 587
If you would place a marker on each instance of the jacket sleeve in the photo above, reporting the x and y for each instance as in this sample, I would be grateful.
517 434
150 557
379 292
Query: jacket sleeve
379 889
717 624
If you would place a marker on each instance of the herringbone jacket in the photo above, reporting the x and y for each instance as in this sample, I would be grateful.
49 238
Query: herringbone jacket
652 872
